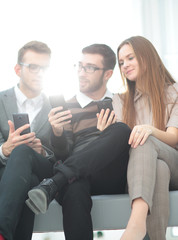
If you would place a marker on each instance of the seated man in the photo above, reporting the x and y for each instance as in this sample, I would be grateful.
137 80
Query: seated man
26 96
94 162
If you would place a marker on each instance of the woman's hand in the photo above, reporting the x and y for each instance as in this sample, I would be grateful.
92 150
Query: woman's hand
103 120
139 135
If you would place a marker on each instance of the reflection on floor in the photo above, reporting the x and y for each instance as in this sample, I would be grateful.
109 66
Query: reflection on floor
104 235
172 234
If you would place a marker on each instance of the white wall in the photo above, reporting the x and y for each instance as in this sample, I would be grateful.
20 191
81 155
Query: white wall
67 26
159 24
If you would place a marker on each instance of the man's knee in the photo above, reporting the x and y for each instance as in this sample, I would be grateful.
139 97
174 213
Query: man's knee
118 131
120 126
21 149
21 153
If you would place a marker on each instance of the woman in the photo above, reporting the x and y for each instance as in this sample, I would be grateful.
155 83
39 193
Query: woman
150 107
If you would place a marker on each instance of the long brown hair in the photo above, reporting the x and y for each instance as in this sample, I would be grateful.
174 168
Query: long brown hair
153 79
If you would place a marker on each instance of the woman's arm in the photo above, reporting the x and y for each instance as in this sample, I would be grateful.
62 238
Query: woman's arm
169 137
140 134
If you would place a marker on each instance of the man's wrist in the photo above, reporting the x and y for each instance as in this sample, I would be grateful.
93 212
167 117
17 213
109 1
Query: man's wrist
2 153
5 150
58 133
43 152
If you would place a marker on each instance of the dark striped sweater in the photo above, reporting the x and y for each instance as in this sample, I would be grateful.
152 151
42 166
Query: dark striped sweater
80 132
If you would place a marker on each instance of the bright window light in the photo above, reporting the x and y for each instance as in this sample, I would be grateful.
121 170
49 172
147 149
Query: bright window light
67 27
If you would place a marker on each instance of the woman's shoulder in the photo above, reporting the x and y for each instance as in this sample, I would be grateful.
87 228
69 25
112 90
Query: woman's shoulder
118 97
117 106
173 89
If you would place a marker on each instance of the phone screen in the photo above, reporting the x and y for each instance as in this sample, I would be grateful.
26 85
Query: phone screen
21 119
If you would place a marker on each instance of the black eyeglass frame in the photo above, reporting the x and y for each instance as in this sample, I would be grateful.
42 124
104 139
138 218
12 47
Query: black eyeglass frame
80 67
33 70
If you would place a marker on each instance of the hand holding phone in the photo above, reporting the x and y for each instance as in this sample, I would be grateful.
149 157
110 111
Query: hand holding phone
21 119
59 101
106 117
105 104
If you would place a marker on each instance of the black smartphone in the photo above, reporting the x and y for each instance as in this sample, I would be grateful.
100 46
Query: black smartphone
58 100
105 104
21 119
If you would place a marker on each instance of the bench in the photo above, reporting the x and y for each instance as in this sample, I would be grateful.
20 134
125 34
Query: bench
109 212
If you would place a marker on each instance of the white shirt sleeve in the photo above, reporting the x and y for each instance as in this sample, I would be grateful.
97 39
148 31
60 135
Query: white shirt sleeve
3 159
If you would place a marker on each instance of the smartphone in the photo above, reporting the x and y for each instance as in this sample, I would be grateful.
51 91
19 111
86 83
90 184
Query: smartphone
58 100
105 104
21 119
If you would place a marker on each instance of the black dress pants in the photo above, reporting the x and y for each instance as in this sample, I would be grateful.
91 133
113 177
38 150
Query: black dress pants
112 144
24 169
76 201
100 168
24 227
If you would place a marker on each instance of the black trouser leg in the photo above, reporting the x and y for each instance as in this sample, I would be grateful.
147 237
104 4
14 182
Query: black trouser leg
110 180
15 184
110 145
25 225
24 229
76 205
76 202
2 168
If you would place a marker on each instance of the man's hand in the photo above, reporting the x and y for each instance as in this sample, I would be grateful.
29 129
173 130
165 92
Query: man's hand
58 119
103 120
15 139
37 146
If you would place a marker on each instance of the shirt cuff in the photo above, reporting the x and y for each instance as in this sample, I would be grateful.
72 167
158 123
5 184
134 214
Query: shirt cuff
3 158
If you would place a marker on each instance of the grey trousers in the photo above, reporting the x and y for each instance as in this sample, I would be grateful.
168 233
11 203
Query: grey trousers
152 168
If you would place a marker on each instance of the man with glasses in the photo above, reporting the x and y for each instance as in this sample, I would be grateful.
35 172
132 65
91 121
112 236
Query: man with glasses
34 68
93 162
26 97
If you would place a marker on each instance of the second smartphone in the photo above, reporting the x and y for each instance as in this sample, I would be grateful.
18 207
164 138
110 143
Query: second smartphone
21 119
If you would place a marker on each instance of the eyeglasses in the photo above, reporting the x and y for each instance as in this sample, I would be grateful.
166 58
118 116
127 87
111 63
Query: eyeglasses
34 68
88 69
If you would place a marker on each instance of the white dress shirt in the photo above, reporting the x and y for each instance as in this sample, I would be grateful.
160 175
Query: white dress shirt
32 106
25 105
84 100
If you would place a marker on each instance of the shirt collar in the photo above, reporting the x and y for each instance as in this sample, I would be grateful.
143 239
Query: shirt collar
21 98
137 95
84 100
